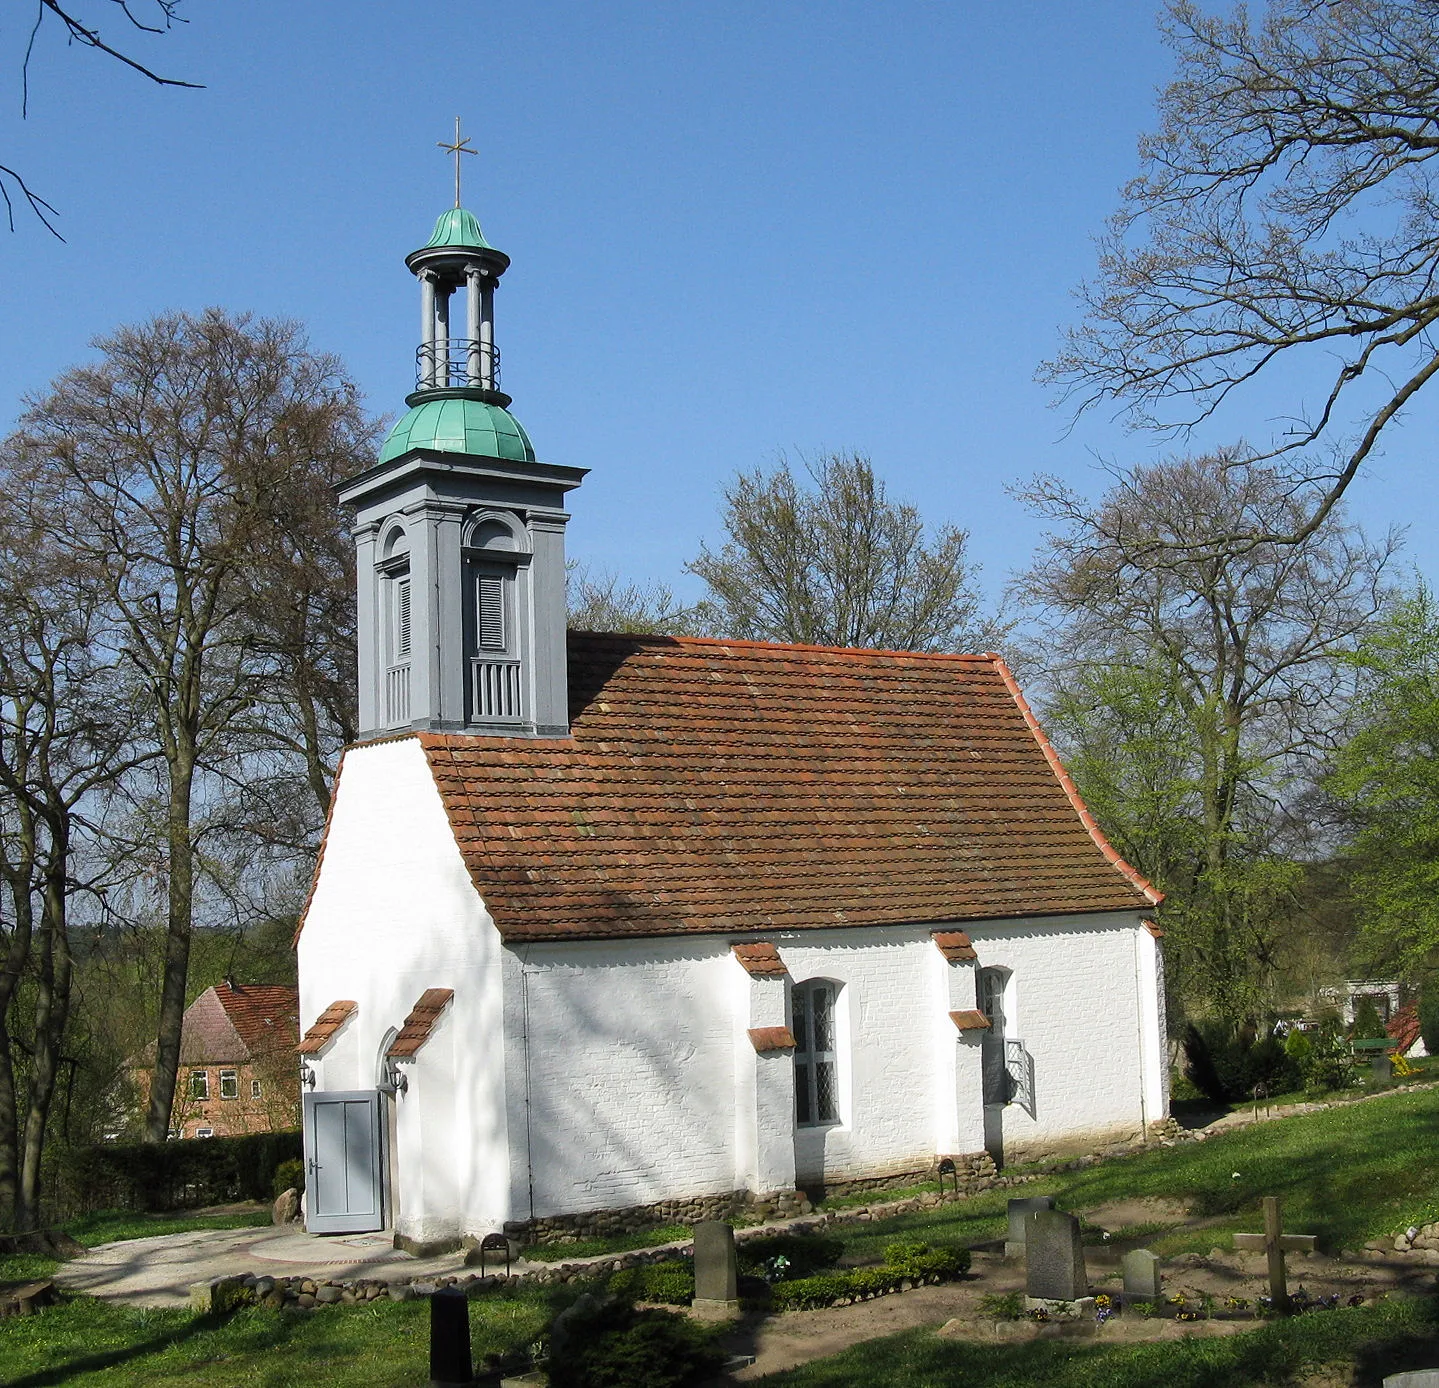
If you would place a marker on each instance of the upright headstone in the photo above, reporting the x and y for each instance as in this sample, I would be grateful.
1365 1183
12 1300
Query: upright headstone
1054 1257
1141 1276
1414 1378
1019 1211
716 1274
450 1338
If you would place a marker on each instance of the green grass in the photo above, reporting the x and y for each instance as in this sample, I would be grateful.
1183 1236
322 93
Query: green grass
381 1344
1349 1175
108 1226
1376 1340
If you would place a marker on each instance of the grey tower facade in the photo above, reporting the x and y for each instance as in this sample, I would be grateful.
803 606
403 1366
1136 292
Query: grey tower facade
459 531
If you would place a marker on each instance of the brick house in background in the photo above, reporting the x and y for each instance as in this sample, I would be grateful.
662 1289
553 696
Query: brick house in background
238 1063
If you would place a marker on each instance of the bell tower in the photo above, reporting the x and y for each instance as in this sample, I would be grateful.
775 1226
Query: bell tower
459 531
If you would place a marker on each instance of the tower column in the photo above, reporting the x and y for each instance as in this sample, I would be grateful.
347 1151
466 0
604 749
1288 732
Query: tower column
427 329
442 345
487 332
473 319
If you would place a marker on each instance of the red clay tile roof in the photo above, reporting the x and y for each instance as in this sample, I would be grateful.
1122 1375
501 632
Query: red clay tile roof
761 959
954 945
971 1019
266 1017
421 1021
1403 1027
729 786
325 1026
765 1039
1153 929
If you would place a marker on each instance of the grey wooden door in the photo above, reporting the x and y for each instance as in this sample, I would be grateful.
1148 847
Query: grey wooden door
344 1162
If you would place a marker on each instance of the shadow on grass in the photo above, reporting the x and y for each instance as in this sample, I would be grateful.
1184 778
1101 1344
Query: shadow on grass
109 1359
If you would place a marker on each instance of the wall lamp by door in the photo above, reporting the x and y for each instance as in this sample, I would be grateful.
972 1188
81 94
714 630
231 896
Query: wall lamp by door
395 1078
307 1074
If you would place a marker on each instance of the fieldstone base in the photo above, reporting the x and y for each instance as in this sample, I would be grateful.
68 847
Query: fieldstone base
970 1169
781 1204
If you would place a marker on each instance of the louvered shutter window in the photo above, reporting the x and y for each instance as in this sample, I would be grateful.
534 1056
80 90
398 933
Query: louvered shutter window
402 618
492 613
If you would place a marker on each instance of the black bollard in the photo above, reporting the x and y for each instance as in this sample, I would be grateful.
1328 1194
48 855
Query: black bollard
450 1338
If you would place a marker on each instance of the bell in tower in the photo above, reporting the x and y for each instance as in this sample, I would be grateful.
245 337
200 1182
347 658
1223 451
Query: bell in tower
459 532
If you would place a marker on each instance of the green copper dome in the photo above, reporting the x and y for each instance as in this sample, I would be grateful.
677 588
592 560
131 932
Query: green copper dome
460 426
460 228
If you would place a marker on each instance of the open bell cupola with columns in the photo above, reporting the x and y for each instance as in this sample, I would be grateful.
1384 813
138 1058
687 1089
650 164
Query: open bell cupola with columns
459 531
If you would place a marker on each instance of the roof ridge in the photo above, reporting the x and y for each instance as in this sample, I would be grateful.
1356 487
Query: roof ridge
658 638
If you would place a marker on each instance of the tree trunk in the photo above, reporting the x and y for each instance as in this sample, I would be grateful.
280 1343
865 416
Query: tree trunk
52 1016
180 915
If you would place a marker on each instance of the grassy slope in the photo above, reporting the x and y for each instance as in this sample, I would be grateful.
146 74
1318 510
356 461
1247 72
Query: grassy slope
1348 1175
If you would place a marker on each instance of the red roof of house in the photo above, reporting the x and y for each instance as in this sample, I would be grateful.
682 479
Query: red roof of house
266 1016
226 1025
733 787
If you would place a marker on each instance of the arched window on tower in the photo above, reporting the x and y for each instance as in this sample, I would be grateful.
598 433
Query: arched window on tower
492 557
396 614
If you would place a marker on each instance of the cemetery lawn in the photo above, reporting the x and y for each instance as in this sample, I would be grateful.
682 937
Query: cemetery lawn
1368 1342
381 1344
1349 1175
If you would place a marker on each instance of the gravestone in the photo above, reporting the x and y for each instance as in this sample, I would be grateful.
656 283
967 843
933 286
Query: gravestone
1019 1211
450 1361
716 1275
1054 1257
1414 1378
1141 1276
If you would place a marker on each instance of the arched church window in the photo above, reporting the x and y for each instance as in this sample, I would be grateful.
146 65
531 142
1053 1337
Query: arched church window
816 1061
397 619
993 984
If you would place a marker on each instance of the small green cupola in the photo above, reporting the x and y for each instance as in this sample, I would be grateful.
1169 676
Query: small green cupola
459 529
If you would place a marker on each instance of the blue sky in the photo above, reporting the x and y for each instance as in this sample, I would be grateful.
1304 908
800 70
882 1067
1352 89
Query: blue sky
737 230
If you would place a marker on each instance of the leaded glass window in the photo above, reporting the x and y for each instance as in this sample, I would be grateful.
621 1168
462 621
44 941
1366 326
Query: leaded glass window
816 1075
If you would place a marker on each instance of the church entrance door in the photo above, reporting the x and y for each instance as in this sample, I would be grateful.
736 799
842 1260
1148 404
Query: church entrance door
344 1162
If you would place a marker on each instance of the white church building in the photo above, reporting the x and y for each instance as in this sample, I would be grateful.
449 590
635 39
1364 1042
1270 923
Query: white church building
614 925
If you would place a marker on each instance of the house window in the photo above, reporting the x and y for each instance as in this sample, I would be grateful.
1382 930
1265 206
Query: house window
255 1090
199 1084
229 1084
204 1132
816 1074
992 984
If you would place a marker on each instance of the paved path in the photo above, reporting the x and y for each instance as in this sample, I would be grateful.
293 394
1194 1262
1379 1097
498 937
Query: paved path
159 1271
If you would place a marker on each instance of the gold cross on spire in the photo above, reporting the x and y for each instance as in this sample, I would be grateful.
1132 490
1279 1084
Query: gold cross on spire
458 148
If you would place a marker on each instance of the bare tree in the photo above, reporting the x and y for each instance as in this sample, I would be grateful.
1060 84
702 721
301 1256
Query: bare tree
601 601
144 16
177 460
837 564
1284 221
1194 688
65 721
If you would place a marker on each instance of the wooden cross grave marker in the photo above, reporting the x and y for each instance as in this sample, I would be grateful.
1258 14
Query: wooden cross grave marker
1275 1244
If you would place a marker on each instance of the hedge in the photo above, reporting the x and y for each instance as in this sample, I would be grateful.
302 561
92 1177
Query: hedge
176 1175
